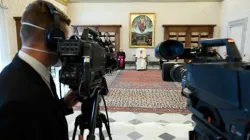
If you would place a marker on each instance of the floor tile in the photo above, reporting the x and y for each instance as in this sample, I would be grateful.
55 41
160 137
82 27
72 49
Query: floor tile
150 129
123 116
121 128
166 136
141 126
134 135
147 117
135 122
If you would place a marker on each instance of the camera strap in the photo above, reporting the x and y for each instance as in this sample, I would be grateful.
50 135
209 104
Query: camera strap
34 49
33 25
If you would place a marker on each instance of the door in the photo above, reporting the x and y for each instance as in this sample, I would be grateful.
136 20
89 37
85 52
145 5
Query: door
237 31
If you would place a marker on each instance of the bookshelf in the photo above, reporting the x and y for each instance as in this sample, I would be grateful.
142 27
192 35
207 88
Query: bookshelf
189 35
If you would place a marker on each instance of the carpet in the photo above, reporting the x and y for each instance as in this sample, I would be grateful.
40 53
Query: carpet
142 91
150 79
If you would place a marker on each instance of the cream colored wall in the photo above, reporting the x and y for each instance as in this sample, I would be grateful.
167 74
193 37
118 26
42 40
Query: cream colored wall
16 9
232 10
166 13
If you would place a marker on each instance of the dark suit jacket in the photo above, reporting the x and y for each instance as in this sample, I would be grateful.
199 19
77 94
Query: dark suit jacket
28 111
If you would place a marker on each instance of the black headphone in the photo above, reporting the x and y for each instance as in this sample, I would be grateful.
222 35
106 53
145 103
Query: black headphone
53 33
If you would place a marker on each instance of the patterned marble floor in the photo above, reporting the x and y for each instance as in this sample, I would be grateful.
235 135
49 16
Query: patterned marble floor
143 126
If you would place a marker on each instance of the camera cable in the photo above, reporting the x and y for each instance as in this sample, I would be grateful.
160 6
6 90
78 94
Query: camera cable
108 124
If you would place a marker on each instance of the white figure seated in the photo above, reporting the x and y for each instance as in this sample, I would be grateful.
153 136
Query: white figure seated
141 59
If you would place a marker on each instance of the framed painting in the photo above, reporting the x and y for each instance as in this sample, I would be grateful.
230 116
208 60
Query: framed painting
142 30
64 2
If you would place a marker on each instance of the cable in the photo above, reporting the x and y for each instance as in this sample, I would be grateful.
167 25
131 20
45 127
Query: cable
80 86
106 110
219 55
107 120
60 87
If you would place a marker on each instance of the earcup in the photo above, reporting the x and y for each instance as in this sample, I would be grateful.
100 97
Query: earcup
52 36
74 37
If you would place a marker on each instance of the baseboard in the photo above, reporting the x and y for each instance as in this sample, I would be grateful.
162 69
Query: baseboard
130 62
150 63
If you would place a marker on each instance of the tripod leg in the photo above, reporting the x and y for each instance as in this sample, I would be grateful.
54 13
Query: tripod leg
81 132
101 134
81 135
104 120
74 133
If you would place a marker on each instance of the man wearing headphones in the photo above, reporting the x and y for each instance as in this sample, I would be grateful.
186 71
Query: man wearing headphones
29 106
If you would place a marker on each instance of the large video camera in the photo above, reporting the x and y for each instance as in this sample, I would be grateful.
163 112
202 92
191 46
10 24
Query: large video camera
85 61
216 89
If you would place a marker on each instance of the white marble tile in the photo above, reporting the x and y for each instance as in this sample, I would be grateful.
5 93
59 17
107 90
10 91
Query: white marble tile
123 116
189 117
150 129
179 138
71 119
173 118
147 117
121 128
179 130
120 137
150 138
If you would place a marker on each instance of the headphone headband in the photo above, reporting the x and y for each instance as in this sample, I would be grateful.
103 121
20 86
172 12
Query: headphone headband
53 33
54 14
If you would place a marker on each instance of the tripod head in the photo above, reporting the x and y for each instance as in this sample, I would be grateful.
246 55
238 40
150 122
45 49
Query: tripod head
90 117
99 84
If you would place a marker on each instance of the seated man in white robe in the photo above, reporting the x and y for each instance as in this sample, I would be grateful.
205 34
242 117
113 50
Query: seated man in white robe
141 59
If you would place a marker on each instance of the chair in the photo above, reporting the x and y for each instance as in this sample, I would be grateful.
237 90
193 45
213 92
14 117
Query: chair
141 60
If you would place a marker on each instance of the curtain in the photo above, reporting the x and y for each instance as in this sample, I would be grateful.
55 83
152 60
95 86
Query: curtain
4 44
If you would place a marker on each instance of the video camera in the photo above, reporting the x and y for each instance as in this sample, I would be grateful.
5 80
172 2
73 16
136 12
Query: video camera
216 89
85 61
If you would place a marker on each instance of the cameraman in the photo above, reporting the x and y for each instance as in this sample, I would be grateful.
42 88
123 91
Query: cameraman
29 106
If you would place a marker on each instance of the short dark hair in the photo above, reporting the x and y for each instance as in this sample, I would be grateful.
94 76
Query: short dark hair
38 14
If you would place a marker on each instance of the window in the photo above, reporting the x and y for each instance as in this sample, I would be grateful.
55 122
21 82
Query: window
4 47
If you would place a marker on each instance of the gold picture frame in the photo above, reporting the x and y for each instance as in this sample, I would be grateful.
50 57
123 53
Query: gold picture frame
142 30
64 2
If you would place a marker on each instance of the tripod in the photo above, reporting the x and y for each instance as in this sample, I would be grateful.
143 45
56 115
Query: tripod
91 118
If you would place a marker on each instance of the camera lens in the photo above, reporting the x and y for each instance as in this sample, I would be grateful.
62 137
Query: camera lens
177 72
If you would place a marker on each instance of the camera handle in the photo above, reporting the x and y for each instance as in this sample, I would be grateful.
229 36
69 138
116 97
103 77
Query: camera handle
86 76
232 50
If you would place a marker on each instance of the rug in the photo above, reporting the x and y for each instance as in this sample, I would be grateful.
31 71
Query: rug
142 91
150 79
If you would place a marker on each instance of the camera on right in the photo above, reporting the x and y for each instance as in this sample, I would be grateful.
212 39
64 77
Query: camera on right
217 89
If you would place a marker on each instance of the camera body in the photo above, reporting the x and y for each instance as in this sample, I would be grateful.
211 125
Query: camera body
85 61
216 89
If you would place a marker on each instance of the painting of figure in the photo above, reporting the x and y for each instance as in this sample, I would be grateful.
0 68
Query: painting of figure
64 2
142 30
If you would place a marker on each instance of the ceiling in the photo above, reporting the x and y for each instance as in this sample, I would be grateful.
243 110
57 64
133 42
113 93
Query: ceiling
103 1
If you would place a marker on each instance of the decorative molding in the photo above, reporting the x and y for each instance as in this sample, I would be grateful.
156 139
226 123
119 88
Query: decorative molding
236 23
64 2
126 1
3 6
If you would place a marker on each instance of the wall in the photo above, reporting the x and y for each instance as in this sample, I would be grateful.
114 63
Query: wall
232 10
166 13
16 9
